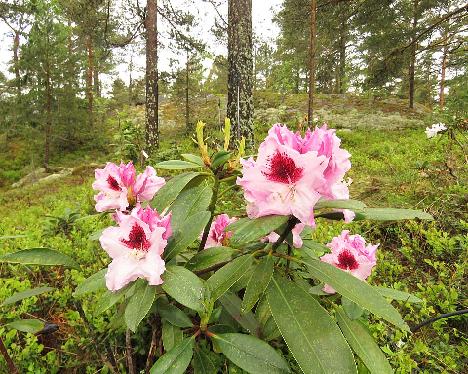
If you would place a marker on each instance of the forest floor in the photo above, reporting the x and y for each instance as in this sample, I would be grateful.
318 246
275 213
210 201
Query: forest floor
393 165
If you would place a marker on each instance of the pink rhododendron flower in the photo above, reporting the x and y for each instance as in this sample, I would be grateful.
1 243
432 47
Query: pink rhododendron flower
136 247
121 188
218 235
296 233
292 173
351 253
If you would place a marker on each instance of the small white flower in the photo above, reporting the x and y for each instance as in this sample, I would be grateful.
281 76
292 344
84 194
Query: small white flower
145 155
436 128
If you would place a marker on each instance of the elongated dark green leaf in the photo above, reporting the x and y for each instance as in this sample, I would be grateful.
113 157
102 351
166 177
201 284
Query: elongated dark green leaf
107 300
193 158
139 305
174 315
391 214
39 256
356 290
251 354
341 204
202 363
232 304
258 282
220 158
186 234
185 287
397 295
353 310
176 360
189 202
168 193
363 344
248 230
93 283
25 294
313 249
312 336
176 165
229 274
26 325
210 257
171 335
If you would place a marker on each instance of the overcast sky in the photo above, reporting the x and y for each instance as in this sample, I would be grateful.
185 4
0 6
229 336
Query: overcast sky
262 14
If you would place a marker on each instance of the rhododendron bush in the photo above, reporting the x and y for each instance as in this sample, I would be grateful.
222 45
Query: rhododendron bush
216 288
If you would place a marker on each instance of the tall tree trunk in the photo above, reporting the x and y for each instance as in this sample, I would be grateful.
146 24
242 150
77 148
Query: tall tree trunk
187 109
342 61
412 65
152 130
48 111
312 65
297 79
442 77
97 86
89 79
16 43
240 105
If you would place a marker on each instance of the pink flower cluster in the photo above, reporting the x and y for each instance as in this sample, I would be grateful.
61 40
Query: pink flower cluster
291 173
351 253
136 245
218 236
121 188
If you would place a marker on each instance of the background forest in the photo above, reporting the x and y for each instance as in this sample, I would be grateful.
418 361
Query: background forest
89 81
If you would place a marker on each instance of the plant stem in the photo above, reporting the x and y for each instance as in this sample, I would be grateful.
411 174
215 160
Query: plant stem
129 352
291 223
11 365
211 209
155 335
436 318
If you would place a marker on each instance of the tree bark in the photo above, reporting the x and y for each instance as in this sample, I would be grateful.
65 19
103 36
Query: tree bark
48 110
240 105
89 79
16 43
187 109
412 65
442 76
342 58
152 129
97 87
312 65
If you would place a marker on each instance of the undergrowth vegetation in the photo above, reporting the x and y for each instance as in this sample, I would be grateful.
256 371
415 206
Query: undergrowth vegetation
390 166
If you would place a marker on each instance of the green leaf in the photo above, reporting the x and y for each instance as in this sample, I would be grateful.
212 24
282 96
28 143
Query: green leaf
6 237
313 249
185 287
139 305
93 283
363 344
176 360
190 202
356 290
232 305
26 325
193 158
171 335
311 334
398 295
202 363
353 310
391 214
186 234
25 294
39 256
210 257
168 193
229 274
248 230
258 282
341 204
107 300
220 158
176 165
251 354
173 315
